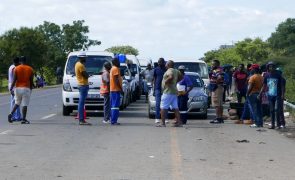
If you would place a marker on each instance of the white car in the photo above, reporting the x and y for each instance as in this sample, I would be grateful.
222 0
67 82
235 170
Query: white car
70 91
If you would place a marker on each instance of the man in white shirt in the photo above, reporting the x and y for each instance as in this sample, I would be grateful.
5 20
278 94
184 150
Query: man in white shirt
148 76
17 115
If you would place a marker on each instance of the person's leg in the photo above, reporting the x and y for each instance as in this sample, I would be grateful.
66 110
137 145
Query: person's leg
182 109
252 103
278 111
282 117
165 103
158 102
107 107
83 90
239 97
259 113
16 115
272 112
24 112
115 107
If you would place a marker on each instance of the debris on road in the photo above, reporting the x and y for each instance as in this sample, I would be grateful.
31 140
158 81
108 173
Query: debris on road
243 141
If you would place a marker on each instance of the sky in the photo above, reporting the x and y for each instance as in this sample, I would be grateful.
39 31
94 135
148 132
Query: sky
157 28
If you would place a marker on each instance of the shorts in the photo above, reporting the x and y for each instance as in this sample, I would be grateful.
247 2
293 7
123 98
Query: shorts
217 96
169 101
22 96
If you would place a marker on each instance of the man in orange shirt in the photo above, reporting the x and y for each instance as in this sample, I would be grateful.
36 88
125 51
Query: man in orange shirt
23 82
116 89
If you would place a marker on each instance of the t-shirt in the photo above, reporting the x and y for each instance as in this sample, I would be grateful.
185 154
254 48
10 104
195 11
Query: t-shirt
274 84
257 82
148 75
171 87
115 71
158 77
183 84
79 68
241 80
217 76
23 73
10 75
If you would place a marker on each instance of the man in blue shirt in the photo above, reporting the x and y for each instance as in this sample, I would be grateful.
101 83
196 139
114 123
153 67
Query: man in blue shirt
158 77
184 86
275 93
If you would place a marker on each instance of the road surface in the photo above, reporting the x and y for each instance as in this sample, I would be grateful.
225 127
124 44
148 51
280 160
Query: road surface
56 147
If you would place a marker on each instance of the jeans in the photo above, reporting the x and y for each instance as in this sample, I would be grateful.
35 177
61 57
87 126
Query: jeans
107 107
16 115
158 102
275 110
247 111
257 109
83 91
115 101
182 105
241 94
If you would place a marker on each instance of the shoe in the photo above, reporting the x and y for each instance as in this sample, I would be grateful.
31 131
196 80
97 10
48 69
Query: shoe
248 122
215 121
105 122
283 127
161 125
115 124
24 121
84 123
167 121
253 126
177 125
10 118
272 127
239 122
157 121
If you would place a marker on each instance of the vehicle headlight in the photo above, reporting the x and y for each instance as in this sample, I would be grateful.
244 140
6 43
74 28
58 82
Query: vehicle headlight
199 98
67 86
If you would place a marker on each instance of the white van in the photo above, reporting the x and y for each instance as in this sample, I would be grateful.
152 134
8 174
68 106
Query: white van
94 67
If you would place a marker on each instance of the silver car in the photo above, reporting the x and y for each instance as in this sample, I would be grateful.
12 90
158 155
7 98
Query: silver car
198 99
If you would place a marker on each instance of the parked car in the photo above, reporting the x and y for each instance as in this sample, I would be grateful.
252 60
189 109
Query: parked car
127 81
198 99
135 69
94 67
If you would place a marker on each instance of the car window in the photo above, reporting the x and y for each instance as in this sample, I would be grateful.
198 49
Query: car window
199 68
196 80
94 64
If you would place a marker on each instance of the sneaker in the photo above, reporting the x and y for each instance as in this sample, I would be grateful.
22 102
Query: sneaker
253 126
166 121
157 121
84 123
10 118
215 121
24 121
105 122
283 127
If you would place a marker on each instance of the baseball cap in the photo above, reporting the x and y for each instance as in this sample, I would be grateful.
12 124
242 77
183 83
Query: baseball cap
181 67
81 54
254 66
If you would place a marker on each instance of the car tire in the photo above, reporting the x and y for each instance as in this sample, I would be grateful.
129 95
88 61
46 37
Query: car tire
66 111
204 116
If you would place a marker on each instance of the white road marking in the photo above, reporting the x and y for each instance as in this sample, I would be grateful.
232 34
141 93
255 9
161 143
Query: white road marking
6 132
49 116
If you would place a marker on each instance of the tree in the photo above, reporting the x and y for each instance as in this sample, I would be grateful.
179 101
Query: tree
123 50
282 41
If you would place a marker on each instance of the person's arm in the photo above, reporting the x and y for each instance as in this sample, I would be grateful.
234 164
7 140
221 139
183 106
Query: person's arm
250 87
117 80
13 83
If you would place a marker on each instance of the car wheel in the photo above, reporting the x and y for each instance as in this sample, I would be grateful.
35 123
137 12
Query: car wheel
66 111
205 115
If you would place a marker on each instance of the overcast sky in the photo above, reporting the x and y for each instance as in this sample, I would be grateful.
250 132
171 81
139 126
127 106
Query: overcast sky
157 28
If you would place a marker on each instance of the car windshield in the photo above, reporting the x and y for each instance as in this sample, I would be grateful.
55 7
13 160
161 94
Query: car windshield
123 70
196 80
133 68
199 68
94 64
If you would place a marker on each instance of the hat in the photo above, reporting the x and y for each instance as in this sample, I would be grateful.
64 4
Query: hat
270 63
181 67
254 66
81 54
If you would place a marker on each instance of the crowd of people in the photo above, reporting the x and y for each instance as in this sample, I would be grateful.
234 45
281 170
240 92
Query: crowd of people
261 89
256 87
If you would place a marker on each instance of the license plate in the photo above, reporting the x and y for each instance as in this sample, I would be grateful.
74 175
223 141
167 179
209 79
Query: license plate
93 96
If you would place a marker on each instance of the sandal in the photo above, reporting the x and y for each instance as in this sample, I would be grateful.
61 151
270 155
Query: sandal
24 121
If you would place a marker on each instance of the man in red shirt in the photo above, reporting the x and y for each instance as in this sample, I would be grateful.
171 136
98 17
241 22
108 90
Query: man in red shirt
240 78
23 82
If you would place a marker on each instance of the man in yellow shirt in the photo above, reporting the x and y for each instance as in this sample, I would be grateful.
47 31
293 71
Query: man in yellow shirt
82 79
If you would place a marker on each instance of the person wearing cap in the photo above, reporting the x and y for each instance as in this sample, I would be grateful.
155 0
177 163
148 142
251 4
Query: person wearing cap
275 93
23 82
184 86
82 79
116 90
105 91
17 115
148 79
255 83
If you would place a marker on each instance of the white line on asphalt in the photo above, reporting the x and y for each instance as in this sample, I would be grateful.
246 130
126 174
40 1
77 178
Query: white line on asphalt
6 132
49 116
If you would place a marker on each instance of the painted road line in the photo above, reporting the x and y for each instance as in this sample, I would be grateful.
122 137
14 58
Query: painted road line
175 156
47 117
6 132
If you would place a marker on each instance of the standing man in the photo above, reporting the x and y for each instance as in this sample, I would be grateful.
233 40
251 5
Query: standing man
158 77
275 93
82 79
23 82
105 91
255 84
169 97
240 79
184 86
17 115
216 84
116 90
148 76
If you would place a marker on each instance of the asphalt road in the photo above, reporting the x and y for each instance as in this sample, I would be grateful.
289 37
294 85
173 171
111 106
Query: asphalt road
56 147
